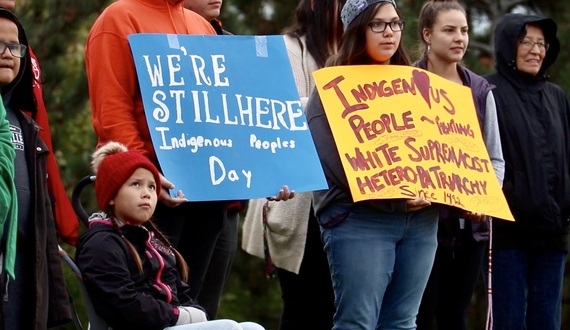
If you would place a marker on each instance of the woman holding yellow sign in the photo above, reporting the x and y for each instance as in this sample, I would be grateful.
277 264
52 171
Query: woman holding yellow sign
443 34
380 252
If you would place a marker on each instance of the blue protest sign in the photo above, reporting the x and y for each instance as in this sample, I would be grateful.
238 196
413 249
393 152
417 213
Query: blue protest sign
224 115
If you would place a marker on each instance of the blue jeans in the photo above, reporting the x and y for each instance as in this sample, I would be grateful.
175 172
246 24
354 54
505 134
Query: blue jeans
527 281
380 263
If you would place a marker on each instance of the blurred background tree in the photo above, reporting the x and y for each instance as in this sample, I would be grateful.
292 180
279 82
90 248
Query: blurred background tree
57 30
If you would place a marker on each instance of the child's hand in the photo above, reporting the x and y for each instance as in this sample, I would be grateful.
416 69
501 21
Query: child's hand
196 315
189 315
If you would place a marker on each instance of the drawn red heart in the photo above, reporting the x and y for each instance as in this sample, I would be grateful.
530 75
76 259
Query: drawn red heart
421 80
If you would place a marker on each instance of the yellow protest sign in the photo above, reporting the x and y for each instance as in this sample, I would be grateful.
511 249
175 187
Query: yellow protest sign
403 132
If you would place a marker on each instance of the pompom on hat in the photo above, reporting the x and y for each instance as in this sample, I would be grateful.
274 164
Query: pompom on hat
353 8
113 164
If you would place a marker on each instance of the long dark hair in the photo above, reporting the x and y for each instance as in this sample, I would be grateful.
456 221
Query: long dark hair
352 47
19 94
319 21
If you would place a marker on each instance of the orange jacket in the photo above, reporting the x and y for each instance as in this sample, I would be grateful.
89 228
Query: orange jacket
114 93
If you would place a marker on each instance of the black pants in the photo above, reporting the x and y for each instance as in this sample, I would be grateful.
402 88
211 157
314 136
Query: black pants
220 266
451 285
309 294
19 293
193 229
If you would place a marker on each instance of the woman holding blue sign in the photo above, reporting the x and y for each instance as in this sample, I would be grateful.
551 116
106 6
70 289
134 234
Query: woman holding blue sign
380 252
118 115
443 36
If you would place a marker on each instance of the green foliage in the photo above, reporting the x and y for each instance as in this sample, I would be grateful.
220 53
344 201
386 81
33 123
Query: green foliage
259 17
57 30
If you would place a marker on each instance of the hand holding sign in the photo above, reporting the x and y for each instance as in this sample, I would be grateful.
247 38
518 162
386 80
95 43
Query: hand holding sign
221 123
401 136
283 195
165 197
417 204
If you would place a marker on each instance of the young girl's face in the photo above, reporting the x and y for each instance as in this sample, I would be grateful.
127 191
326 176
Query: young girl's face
449 37
136 199
380 46
9 64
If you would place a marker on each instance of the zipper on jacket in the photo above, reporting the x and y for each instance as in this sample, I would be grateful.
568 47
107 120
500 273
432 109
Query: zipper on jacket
158 278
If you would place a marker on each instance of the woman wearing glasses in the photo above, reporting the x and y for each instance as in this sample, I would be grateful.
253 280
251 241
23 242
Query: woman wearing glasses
380 252
443 38
529 254
37 297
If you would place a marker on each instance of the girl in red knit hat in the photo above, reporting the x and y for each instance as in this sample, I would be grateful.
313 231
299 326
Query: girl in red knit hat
134 277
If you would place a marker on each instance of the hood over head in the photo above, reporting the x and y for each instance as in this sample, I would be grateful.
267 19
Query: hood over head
510 29
19 94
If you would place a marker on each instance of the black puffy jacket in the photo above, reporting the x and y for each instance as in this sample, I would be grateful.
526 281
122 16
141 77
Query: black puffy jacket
124 297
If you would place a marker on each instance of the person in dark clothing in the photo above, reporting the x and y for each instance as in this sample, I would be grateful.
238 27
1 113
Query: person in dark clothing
528 255
134 277
291 236
443 36
37 298
225 248
67 226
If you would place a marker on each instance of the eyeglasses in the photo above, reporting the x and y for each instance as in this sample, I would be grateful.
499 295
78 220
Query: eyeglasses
17 50
529 44
380 26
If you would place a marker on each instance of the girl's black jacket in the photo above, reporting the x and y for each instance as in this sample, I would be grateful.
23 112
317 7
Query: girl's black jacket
123 296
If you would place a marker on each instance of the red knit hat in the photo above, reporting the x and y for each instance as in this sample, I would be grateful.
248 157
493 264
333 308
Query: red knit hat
113 165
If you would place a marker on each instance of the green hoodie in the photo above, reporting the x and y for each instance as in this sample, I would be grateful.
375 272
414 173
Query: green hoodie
8 197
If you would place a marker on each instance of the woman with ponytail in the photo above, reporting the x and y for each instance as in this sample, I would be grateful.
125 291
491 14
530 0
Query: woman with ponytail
134 277
462 236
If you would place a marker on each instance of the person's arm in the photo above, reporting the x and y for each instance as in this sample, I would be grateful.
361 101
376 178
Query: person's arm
189 310
113 88
8 195
493 143
493 138
104 265
300 71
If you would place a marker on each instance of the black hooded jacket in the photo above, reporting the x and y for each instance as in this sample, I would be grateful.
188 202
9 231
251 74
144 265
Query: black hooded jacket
121 295
47 304
19 94
534 122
